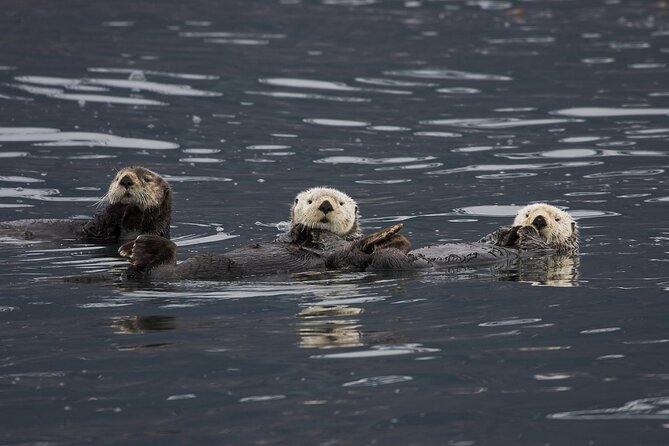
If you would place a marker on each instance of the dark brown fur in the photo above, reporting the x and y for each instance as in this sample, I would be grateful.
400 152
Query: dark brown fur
123 219
154 258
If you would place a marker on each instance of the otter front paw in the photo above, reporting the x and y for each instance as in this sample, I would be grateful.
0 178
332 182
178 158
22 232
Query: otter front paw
300 234
385 238
148 251
126 249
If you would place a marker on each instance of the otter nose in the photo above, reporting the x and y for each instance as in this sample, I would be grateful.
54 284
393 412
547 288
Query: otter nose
325 207
539 222
126 182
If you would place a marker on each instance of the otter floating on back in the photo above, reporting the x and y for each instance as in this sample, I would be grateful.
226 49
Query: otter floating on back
538 230
138 201
323 220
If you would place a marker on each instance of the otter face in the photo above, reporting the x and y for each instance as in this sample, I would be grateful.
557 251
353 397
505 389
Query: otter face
139 186
326 208
555 226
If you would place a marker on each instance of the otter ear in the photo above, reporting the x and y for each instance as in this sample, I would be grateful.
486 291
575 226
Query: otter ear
356 209
573 227
296 200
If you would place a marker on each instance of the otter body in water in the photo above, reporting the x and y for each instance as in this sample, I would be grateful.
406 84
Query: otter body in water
138 201
538 230
323 220
555 228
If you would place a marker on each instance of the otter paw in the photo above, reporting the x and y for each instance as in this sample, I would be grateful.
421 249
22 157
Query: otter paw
397 242
126 249
381 238
151 250
300 234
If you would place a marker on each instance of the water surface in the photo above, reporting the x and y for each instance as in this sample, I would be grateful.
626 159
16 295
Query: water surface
444 115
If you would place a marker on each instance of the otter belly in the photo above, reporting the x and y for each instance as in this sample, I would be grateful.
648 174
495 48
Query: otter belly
461 255
261 259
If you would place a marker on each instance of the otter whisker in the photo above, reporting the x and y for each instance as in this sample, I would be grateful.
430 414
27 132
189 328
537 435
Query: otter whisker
103 200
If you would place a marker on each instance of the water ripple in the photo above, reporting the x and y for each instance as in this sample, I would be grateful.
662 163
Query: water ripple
231 35
379 351
371 161
307 83
261 398
511 210
58 93
495 123
188 76
336 122
505 167
411 167
600 112
439 134
459 90
443 73
185 178
54 137
19 179
509 322
133 83
293 95
626 173
529 39
393 82
579 153
375 381
643 409
314 84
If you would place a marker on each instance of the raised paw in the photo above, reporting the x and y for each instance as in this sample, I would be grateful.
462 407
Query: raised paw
147 251
126 249
387 237
300 234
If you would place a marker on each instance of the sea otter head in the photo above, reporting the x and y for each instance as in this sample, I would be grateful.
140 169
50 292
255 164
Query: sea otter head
139 186
555 226
326 208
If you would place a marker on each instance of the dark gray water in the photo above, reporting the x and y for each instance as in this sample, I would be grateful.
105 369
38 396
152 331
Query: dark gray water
445 115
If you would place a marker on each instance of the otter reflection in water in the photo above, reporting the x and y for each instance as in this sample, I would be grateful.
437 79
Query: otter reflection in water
138 201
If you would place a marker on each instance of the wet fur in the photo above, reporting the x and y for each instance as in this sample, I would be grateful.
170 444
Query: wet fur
342 220
560 232
145 207
523 241
310 245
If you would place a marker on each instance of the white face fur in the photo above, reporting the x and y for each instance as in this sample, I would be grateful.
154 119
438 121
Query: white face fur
557 228
326 208
136 185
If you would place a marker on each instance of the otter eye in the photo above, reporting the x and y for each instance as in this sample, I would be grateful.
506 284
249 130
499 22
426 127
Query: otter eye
341 203
557 219
310 201
296 200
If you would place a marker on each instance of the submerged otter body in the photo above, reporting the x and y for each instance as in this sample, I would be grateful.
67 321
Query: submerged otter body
539 230
138 201
323 221
154 258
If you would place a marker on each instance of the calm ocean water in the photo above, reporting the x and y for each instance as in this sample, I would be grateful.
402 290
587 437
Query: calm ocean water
443 115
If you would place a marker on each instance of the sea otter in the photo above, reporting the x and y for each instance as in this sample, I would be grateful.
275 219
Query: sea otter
556 228
323 220
538 230
139 201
